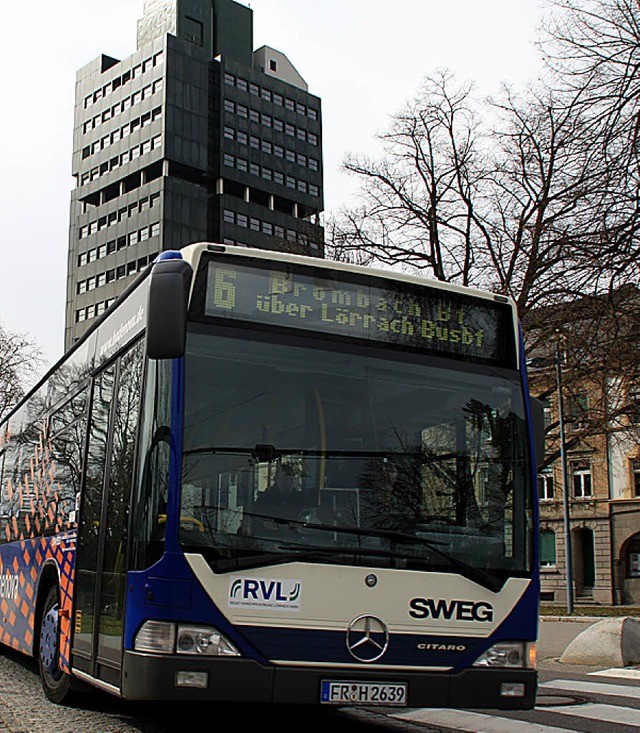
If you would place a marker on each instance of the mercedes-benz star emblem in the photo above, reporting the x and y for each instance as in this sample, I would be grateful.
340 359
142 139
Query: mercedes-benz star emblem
367 638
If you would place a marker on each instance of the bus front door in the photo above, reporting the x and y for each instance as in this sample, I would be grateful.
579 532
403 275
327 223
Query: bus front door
100 577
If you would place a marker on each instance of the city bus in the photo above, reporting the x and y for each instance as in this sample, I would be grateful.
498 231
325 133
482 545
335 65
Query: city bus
270 478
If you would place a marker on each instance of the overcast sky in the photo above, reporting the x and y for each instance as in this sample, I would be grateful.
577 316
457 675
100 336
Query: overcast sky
364 58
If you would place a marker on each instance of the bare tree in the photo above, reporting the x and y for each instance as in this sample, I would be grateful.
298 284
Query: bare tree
593 50
550 188
20 360
417 207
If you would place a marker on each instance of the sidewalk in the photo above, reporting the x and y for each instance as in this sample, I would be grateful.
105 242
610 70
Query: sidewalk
613 640
556 612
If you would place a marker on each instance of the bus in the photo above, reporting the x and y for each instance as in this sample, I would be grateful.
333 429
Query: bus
270 478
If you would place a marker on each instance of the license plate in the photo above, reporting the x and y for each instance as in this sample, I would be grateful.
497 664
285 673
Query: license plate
347 692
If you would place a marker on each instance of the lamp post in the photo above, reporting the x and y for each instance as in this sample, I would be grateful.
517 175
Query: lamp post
565 487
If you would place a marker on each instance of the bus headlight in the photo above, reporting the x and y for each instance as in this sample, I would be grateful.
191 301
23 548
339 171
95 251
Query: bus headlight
164 637
511 654
204 640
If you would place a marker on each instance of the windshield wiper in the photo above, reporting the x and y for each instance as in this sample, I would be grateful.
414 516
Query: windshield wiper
306 553
269 452
477 575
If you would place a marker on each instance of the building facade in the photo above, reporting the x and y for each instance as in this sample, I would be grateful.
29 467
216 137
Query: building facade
194 137
588 385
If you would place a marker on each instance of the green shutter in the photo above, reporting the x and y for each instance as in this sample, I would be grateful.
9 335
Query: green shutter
547 547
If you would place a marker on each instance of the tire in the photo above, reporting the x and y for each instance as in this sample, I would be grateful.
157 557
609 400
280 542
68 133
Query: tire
55 683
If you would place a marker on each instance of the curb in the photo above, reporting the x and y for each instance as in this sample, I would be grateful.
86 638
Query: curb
573 619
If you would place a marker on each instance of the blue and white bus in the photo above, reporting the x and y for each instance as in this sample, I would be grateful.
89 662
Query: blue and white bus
264 477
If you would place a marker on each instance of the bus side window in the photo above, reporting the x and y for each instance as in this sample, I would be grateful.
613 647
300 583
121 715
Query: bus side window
150 500
3 493
67 427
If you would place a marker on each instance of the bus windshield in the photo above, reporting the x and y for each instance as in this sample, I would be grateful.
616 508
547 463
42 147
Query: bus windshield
295 449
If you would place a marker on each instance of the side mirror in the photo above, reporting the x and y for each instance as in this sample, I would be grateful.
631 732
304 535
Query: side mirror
170 281
537 420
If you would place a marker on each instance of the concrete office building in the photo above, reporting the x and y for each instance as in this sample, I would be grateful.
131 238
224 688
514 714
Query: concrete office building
194 137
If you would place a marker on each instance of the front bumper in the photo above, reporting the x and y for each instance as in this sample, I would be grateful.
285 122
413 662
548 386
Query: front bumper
153 677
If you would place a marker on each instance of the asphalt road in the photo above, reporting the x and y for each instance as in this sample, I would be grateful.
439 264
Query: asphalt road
24 709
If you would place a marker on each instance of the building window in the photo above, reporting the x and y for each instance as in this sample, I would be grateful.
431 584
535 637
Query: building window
633 570
545 486
194 30
581 477
633 403
547 548
273 65
576 409
635 472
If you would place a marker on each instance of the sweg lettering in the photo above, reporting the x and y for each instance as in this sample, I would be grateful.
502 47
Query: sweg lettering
458 610
9 586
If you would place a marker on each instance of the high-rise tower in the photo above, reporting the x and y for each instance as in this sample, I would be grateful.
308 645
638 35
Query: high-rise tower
194 137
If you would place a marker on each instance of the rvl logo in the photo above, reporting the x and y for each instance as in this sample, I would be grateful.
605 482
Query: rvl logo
270 593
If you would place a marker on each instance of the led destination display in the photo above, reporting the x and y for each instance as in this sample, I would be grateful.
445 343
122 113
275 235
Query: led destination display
404 314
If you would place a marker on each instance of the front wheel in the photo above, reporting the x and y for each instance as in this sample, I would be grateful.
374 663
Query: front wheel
55 683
